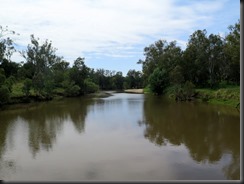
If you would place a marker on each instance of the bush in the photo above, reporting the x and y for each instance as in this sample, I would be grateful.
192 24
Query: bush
189 89
70 89
186 92
90 87
73 91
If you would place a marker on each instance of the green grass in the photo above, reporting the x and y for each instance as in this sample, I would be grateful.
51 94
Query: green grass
228 95
225 95
147 90
17 90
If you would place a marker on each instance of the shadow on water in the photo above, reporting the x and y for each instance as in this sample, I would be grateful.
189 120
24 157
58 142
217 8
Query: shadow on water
207 131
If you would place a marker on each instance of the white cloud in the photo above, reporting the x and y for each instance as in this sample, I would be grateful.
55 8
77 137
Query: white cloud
109 27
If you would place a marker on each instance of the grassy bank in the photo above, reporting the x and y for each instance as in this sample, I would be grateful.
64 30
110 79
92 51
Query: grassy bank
147 90
227 95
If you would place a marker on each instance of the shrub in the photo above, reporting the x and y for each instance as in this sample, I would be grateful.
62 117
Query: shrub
186 92
70 89
90 87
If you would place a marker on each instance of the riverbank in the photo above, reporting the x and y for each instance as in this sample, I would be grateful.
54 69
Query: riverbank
224 96
137 91
228 95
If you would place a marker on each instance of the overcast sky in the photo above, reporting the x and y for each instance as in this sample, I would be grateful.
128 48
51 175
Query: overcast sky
112 34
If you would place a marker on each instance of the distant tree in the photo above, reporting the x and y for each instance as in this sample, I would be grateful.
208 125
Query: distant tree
134 79
118 80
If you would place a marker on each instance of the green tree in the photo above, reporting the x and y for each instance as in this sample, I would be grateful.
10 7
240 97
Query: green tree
161 55
90 86
78 73
70 88
42 57
10 68
195 62
232 53
27 70
215 59
134 79
6 43
176 77
60 72
158 81
118 80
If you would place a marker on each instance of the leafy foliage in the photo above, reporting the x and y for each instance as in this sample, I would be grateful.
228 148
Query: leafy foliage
207 61
158 81
90 87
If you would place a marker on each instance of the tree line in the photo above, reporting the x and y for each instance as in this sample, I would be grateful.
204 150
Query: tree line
44 74
207 62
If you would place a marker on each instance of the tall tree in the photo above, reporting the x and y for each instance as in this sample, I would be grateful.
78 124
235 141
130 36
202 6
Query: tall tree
215 59
43 57
78 73
6 43
194 58
161 55
232 51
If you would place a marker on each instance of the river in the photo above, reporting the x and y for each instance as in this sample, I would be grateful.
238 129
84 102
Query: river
124 137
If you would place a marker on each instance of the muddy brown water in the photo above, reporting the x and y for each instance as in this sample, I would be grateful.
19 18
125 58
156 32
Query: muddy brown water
124 137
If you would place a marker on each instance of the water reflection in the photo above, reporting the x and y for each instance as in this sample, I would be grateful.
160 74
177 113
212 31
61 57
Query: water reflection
206 130
45 121
189 138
